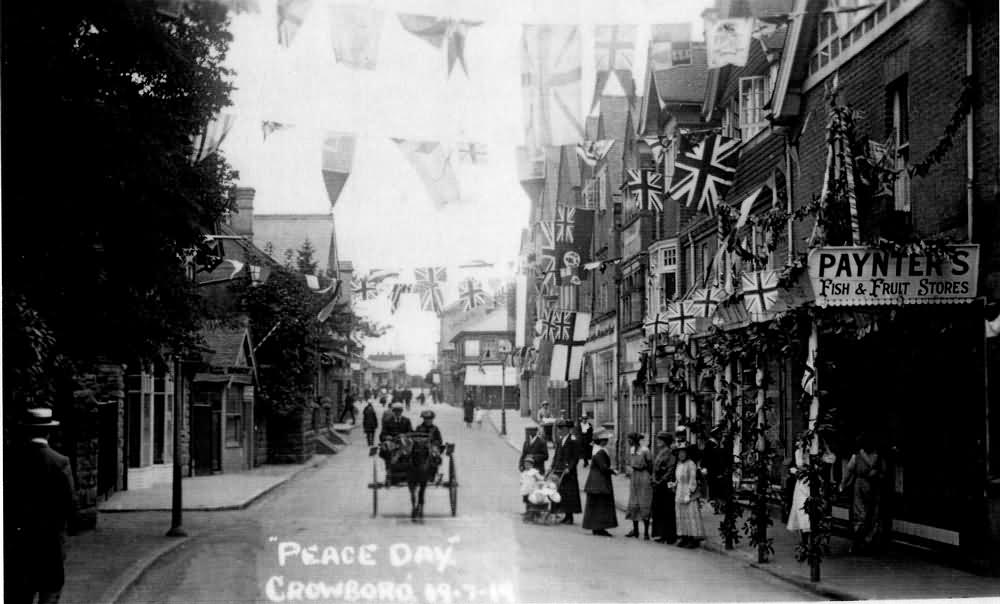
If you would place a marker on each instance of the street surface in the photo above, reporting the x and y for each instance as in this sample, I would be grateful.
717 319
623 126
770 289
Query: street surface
486 554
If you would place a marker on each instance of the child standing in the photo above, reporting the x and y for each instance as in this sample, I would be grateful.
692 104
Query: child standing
480 414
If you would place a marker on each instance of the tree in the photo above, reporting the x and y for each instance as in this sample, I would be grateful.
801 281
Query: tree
102 197
304 262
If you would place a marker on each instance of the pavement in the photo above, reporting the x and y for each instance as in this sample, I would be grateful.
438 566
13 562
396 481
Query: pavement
899 573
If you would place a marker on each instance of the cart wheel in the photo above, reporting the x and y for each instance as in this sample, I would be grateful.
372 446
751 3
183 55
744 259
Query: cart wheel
374 501
453 497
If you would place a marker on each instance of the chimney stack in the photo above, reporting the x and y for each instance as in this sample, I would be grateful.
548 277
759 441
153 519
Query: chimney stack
242 218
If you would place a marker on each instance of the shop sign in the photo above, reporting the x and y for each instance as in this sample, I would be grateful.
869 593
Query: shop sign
863 276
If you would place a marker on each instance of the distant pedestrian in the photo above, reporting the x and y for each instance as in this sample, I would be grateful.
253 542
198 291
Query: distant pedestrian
690 527
348 408
421 398
864 474
41 506
382 399
564 465
662 510
369 421
640 492
468 409
599 513
407 398
585 432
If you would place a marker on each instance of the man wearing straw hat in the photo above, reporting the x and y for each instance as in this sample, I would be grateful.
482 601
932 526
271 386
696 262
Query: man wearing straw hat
42 507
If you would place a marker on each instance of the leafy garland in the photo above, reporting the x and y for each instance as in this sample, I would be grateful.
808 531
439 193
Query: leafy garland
944 143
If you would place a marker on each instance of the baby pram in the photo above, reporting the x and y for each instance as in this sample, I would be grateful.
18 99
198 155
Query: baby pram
541 505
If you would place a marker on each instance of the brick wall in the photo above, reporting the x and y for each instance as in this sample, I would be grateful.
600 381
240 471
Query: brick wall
290 437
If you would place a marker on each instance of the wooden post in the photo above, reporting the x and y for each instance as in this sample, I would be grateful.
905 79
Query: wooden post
762 478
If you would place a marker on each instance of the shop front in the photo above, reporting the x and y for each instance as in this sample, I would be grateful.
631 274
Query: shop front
901 360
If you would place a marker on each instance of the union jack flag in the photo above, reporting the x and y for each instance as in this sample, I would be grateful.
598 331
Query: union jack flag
646 188
363 288
546 260
557 325
471 293
760 291
680 319
706 300
704 172
564 223
428 285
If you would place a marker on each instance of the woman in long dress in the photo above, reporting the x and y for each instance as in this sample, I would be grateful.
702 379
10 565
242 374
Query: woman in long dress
640 491
798 519
599 513
690 527
865 472
664 473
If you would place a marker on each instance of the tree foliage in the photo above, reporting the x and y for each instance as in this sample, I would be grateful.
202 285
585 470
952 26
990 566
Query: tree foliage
101 195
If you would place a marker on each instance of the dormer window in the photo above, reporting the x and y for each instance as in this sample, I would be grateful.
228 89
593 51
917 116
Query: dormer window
752 116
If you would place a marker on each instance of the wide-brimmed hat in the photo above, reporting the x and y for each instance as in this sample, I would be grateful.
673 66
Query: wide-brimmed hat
545 403
636 436
396 405
665 436
681 446
427 414
604 435
38 417
531 428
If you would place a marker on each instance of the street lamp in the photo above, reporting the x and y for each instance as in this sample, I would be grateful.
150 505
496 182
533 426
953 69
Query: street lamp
505 353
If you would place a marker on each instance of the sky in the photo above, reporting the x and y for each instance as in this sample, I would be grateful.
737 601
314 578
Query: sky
384 217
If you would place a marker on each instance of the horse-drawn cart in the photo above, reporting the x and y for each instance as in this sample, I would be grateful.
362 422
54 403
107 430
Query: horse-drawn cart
410 461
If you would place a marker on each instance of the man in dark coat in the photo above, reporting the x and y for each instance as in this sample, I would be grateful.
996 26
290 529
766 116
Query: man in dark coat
585 437
468 407
535 447
564 463
600 514
40 510
369 421
407 398
395 424
348 408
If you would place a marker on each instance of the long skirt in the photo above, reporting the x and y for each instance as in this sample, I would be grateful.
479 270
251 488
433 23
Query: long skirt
663 513
600 512
640 496
798 519
865 513
689 523
468 413
569 491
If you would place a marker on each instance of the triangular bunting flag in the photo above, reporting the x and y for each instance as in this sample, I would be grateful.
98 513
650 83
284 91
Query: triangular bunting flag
338 156
438 31
593 152
433 164
354 33
291 14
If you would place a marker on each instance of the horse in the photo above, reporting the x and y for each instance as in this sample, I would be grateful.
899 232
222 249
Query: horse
422 468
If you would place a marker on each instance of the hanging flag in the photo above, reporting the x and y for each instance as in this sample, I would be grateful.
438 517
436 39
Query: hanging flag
728 42
428 285
338 156
703 173
212 136
656 324
557 325
291 14
646 188
377 275
472 153
330 306
551 71
573 230
614 47
593 152
760 292
567 352
471 293
268 127
363 288
681 319
438 31
398 289
476 264
564 223
545 263
354 33
432 163
705 300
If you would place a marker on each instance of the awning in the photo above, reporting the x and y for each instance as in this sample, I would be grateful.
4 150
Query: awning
489 375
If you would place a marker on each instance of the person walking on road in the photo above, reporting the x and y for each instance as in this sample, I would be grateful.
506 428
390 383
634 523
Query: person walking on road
468 409
369 421
41 507
664 473
348 408
534 447
407 398
564 462
864 473
640 492
690 527
599 513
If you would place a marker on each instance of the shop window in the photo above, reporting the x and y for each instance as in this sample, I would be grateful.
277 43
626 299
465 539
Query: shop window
471 348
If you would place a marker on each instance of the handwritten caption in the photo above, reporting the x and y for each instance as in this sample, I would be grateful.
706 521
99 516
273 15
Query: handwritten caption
402 557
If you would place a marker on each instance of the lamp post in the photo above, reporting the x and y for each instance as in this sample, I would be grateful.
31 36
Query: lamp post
176 504
505 352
